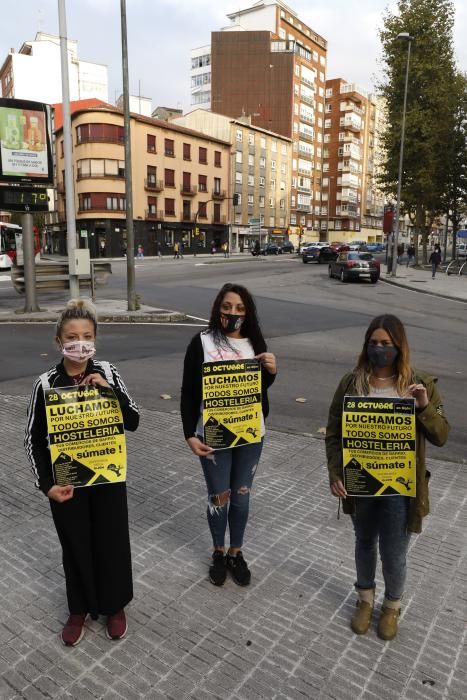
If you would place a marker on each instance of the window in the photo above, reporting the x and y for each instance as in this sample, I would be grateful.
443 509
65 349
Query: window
251 161
186 210
100 167
217 159
151 174
151 143
217 213
283 168
169 207
200 79
328 92
261 181
251 180
273 164
273 145
284 149
106 133
262 142
238 178
187 151
262 162
203 155
238 157
251 139
169 178
239 198
102 201
169 148
251 199
217 185
239 135
152 206
261 200
201 61
202 183
282 203
202 210
186 180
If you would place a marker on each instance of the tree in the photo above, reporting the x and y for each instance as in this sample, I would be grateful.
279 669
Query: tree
429 109
455 190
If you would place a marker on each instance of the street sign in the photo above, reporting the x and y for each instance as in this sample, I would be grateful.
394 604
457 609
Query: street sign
24 199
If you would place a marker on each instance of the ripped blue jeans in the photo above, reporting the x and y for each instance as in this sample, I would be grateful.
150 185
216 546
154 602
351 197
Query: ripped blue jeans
230 473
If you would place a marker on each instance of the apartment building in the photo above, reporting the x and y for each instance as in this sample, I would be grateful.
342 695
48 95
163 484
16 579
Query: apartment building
180 184
260 175
270 64
350 200
34 72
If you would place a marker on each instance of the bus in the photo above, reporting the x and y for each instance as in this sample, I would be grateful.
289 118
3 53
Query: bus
11 245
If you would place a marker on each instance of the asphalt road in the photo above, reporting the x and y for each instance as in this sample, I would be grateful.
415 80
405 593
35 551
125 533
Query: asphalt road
315 326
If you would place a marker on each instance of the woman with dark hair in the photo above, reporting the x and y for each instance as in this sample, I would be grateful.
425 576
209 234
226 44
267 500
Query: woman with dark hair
383 370
233 333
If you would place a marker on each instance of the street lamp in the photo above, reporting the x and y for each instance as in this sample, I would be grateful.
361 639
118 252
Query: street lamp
406 37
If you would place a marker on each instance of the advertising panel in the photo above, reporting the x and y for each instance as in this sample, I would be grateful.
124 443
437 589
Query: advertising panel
25 141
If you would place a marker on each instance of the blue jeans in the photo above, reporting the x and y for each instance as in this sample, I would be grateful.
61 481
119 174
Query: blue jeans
230 472
382 518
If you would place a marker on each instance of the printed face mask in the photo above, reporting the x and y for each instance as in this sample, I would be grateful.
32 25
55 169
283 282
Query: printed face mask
78 350
382 356
231 322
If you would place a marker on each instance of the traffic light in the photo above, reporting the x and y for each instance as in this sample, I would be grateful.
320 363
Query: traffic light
235 199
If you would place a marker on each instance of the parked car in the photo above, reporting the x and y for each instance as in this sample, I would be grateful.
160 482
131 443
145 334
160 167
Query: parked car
304 245
319 254
356 245
287 247
375 247
341 247
354 265
270 249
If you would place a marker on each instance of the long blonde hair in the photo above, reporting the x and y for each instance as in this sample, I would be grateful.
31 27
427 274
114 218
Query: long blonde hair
396 331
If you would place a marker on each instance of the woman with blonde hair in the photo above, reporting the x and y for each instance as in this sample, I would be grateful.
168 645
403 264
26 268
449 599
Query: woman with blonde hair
384 370
91 522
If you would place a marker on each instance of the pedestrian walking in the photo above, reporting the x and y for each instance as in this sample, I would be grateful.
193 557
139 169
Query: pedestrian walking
225 249
400 252
158 250
91 522
435 260
140 252
176 250
384 370
233 333
182 248
411 255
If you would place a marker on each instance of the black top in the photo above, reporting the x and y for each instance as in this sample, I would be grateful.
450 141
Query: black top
36 438
192 392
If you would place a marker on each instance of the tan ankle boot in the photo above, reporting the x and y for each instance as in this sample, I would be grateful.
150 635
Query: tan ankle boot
389 620
361 619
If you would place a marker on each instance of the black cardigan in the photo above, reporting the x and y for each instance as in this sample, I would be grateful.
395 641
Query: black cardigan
192 389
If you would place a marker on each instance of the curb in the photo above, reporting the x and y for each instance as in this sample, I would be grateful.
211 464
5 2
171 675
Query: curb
45 316
423 291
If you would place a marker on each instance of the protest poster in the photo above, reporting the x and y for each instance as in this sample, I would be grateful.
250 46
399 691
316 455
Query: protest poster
378 439
231 403
86 435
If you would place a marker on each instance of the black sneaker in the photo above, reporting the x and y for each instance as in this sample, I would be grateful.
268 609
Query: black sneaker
218 569
238 567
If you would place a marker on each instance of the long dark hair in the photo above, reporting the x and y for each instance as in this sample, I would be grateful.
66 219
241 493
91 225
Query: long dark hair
250 328
396 331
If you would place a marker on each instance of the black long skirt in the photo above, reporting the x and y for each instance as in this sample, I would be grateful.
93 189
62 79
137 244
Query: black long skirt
93 530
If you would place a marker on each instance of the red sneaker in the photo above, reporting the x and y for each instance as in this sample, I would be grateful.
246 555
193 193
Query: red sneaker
73 631
116 625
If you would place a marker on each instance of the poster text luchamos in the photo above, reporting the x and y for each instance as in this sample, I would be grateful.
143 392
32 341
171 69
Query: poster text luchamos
378 437
86 435
231 403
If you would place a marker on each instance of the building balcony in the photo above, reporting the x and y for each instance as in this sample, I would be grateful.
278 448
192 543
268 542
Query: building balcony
188 190
153 185
305 118
303 207
303 171
102 210
307 100
153 215
307 135
301 188
187 216
352 122
221 219
218 194
305 81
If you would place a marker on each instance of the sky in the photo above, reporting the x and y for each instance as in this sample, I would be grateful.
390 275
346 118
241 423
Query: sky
161 34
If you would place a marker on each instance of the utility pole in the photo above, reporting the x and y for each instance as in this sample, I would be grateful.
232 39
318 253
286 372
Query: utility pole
30 300
130 237
67 149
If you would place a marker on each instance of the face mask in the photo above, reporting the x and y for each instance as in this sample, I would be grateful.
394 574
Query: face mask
382 356
78 350
231 322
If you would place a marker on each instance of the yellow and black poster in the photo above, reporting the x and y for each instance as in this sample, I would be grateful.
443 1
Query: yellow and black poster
231 403
378 437
86 435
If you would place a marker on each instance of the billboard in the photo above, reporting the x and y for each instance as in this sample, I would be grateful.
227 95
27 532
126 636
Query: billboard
25 142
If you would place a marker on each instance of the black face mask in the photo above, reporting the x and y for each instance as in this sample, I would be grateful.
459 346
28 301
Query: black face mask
234 322
382 356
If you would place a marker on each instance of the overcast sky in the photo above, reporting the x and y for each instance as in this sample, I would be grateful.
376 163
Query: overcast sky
162 32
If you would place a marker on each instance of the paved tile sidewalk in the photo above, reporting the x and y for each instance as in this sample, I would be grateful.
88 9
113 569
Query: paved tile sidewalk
448 286
285 636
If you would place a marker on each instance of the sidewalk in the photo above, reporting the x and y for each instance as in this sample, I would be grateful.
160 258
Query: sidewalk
448 286
286 636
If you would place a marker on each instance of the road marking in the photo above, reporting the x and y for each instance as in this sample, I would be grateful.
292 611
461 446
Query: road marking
197 318
5 278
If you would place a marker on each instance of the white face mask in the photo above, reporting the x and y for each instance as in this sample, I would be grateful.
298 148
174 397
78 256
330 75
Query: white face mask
78 350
